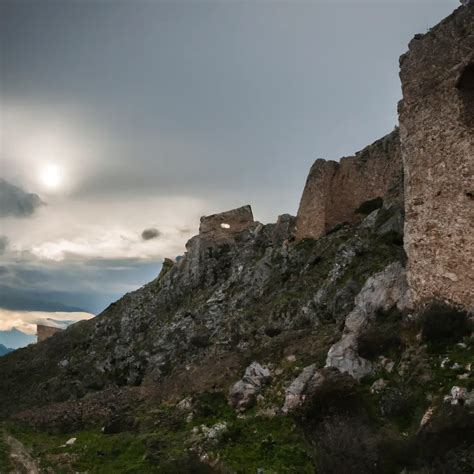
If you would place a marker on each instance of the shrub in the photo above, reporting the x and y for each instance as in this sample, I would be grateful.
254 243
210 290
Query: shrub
443 324
346 446
370 205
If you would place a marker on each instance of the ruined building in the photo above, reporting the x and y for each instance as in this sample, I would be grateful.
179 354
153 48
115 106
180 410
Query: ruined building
44 332
226 224
335 191
434 150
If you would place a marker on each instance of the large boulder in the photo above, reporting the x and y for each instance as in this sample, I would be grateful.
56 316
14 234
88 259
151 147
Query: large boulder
295 394
242 394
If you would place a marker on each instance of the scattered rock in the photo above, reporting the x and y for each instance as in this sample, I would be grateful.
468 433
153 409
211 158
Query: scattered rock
378 386
426 417
386 364
214 433
460 396
295 393
444 363
185 404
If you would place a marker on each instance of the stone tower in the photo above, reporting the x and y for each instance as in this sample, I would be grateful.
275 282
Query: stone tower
437 141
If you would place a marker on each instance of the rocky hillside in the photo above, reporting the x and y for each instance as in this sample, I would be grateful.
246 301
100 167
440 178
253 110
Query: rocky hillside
313 345
255 352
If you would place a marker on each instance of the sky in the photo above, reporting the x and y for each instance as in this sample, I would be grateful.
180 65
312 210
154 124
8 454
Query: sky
123 122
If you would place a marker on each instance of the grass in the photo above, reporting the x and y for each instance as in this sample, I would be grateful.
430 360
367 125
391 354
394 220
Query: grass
251 442
5 464
92 452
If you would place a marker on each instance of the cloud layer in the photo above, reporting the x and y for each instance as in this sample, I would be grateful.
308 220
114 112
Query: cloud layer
26 321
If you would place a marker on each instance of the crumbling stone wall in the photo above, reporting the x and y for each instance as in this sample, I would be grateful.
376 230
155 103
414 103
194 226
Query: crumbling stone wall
437 134
225 224
334 191
43 332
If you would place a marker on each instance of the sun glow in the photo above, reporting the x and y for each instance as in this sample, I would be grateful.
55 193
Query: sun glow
51 177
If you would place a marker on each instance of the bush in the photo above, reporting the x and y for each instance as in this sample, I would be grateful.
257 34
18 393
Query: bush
378 341
443 324
346 446
369 206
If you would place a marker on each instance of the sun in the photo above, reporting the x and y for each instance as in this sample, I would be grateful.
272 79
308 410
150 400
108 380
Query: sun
51 177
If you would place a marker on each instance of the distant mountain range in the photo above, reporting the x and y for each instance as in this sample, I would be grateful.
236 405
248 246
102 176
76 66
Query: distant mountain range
21 300
15 339
5 350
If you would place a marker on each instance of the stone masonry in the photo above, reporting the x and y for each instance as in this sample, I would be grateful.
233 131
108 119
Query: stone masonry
437 135
44 332
334 191
226 224
433 154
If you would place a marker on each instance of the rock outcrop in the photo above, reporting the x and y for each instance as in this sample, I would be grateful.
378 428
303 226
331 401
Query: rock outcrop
437 135
340 192
242 394
381 292
295 394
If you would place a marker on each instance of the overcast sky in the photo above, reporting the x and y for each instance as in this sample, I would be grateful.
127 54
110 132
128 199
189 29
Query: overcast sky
119 117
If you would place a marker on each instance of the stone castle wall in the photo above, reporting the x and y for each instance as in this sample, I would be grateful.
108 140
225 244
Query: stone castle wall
437 134
44 332
334 191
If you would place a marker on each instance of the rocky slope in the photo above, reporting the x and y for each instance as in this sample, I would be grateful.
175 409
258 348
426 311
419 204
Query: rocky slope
227 300
255 351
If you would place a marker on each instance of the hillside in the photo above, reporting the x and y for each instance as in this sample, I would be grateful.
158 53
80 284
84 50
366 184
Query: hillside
337 341
159 366
4 350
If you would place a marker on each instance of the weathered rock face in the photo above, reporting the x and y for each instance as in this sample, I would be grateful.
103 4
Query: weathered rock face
437 134
334 191
381 292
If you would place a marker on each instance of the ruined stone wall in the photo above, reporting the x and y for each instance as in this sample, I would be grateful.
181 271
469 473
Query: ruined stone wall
437 134
226 224
43 332
334 191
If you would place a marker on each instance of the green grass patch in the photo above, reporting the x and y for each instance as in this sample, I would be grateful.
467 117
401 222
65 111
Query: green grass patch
5 464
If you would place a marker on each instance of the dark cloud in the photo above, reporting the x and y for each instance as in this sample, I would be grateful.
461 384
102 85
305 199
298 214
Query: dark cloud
15 202
3 244
150 233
